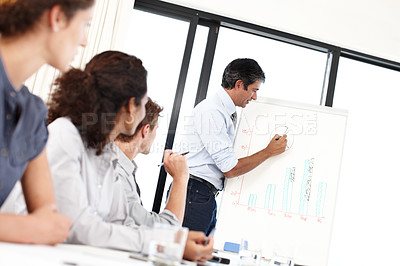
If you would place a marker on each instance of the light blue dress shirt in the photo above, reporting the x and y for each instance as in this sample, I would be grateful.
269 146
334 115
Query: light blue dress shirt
209 136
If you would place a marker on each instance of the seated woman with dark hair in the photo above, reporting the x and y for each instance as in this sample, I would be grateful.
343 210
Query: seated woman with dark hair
87 111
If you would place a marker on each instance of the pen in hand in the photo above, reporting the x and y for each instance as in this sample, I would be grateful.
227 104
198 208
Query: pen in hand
279 137
284 133
182 154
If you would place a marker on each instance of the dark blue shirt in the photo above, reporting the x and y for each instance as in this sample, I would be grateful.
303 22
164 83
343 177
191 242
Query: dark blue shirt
23 132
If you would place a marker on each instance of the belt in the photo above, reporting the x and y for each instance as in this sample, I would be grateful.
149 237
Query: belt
205 182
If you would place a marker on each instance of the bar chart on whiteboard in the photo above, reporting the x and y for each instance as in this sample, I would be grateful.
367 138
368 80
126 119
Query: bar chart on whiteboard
286 205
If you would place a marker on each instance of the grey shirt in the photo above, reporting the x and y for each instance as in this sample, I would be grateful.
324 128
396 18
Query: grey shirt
89 193
126 170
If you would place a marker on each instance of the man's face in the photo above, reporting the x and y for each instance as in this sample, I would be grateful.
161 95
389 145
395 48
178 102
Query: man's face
245 96
149 139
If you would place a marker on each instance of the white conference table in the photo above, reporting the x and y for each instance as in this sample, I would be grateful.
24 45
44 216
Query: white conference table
76 255
63 255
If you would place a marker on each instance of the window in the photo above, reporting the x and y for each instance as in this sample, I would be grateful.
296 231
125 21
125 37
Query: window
189 94
159 42
291 72
366 219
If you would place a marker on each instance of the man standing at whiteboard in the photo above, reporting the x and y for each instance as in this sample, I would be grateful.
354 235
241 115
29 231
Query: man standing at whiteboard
209 139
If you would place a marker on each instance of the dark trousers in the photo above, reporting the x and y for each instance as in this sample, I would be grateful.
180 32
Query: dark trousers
201 207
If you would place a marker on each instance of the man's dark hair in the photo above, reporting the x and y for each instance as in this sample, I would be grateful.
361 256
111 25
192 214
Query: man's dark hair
244 69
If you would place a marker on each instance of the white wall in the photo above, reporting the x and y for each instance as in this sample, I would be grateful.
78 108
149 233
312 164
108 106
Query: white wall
367 26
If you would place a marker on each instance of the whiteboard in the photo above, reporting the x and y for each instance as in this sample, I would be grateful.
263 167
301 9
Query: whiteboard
286 205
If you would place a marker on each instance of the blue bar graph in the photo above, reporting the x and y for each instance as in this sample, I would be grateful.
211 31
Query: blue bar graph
306 187
252 200
288 189
270 197
321 196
